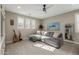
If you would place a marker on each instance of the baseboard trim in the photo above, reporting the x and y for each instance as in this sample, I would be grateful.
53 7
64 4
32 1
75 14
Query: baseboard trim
25 38
7 42
71 41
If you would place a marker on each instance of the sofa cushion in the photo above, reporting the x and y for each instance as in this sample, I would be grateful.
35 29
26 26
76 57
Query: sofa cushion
38 32
44 32
55 35
50 34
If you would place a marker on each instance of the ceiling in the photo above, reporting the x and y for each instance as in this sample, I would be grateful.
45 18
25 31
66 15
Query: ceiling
35 10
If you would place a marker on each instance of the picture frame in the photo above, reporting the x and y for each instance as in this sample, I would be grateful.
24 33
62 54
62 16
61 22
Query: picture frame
54 26
11 22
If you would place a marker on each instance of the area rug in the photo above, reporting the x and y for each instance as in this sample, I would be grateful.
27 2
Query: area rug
45 46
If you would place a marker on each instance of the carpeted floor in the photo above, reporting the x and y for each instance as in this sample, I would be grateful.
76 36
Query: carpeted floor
27 48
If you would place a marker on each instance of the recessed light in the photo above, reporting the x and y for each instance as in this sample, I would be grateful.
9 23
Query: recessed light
18 7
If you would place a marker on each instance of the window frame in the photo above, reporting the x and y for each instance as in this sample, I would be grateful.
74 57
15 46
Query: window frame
18 22
31 23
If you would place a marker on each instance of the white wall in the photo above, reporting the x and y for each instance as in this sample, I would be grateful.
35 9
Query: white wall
0 21
9 29
63 19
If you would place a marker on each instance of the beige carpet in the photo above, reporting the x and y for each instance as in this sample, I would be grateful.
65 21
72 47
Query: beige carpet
28 48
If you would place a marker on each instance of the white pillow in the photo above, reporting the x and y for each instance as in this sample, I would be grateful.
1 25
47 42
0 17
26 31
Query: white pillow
55 35
45 33
38 32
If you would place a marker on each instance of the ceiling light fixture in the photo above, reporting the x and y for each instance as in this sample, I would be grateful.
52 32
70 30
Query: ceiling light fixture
44 7
18 7
44 10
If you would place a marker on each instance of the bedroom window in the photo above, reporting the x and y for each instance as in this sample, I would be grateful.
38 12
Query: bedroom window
20 22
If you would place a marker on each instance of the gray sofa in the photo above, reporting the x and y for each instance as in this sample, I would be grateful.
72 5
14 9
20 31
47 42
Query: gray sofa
55 42
50 38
